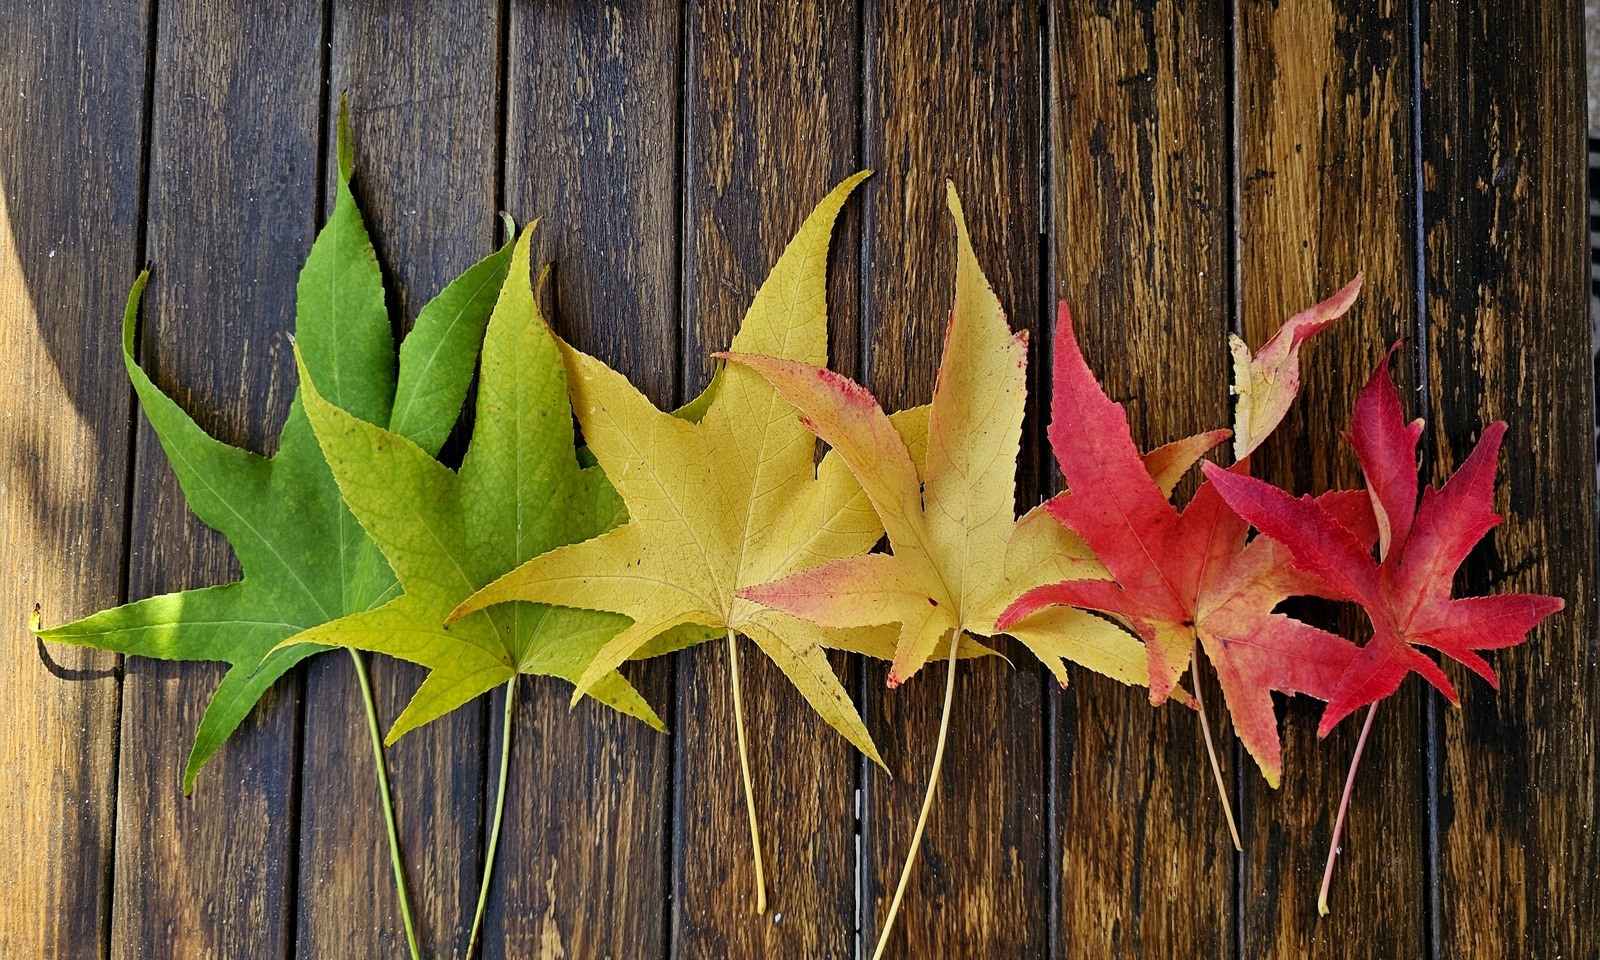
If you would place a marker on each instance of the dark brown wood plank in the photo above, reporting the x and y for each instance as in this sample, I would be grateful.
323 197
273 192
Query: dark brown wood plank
1327 190
1507 337
1139 161
427 173
772 125
233 185
592 148
71 134
953 91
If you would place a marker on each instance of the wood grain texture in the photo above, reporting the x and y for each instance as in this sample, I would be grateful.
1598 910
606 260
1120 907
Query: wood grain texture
592 148
233 182
1327 189
952 91
1504 226
69 237
772 126
671 151
427 177
1139 160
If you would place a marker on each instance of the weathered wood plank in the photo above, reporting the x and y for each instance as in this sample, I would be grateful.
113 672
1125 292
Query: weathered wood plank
1507 337
592 148
233 182
1140 242
1327 189
953 91
427 177
70 196
771 126
1140 246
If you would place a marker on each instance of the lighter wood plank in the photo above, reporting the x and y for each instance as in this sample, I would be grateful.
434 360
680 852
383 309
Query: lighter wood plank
233 183
69 211
1327 190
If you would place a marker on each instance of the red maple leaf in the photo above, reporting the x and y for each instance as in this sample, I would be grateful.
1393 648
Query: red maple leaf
1179 578
1406 591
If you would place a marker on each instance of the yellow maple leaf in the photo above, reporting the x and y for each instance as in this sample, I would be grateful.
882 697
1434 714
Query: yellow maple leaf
733 500
960 555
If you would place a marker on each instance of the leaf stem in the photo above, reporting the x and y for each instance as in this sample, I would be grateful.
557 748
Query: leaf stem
1211 750
365 683
927 798
744 765
499 816
1344 804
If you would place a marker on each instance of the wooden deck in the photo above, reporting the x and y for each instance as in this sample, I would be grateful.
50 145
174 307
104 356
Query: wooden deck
1175 169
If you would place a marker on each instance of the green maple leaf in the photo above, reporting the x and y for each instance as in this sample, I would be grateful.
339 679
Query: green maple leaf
305 558
521 491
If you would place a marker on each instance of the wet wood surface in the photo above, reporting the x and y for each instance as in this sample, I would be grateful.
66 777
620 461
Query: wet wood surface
1327 189
747 130
1140 241
953 94
1177 171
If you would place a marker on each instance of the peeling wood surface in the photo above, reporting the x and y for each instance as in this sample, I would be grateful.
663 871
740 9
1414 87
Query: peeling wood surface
1177 170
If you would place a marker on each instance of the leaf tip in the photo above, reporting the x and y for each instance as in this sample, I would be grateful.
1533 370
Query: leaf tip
34 619
854 180
343 146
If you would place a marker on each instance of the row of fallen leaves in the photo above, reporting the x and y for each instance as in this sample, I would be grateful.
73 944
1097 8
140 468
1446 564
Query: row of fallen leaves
713 521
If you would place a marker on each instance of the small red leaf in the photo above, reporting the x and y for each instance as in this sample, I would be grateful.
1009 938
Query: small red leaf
1406 593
